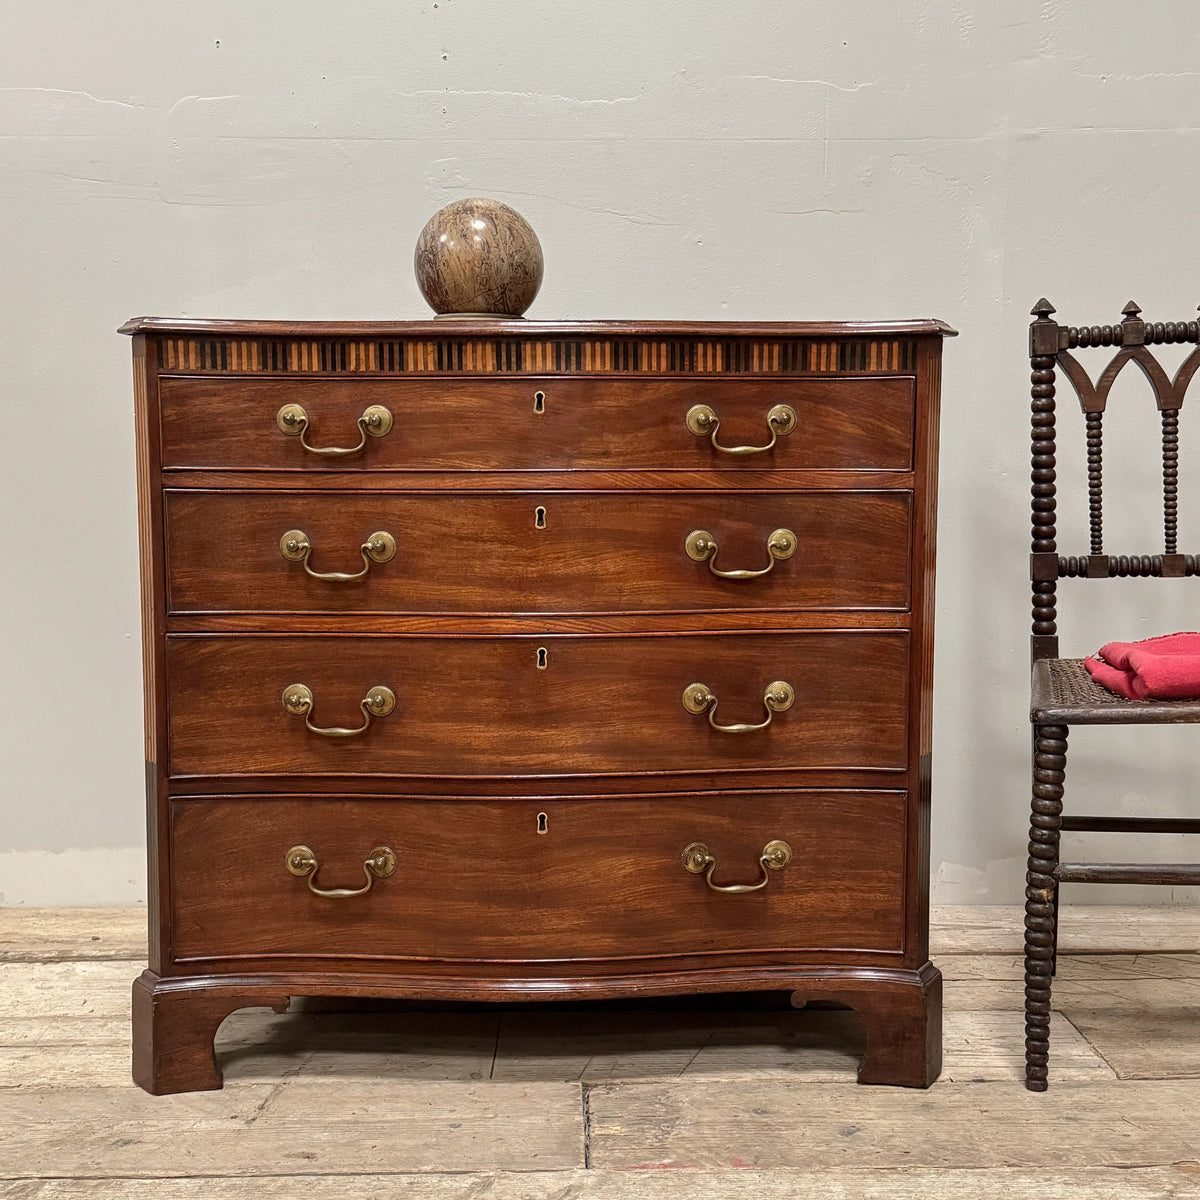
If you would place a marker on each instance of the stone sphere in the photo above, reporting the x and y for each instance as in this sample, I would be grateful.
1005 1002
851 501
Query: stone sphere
478 258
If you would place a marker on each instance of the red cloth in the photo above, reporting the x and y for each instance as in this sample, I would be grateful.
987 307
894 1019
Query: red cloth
1121 682
1161 668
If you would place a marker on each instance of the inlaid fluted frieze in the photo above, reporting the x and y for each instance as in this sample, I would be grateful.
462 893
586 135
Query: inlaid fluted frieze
520 356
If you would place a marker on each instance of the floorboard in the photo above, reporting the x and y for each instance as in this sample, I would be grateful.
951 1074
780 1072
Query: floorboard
692 1124
737 1097
1178 1182
292 1126
53 934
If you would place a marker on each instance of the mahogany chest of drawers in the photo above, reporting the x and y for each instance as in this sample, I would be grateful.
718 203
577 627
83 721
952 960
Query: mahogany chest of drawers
506 660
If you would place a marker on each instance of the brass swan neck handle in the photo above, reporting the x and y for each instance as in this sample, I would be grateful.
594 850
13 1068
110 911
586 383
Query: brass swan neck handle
296 546
698 858
704 422
379 864
298 702
698 699
702 546
293 421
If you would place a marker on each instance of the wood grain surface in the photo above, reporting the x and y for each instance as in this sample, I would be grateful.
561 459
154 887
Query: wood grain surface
480 706
1177 1181
587 552
489 424
478 879
693 1127
317 330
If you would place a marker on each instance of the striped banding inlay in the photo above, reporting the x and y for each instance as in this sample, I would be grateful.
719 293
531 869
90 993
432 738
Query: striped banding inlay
517 356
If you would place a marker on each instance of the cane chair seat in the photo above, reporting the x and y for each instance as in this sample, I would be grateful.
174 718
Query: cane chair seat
1065 694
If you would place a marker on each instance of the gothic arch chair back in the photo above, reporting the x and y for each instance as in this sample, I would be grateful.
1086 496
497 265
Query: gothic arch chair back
1063 694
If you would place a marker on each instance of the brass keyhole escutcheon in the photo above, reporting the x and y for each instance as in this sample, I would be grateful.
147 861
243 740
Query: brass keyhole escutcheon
543 823
539 402
541 658
539 517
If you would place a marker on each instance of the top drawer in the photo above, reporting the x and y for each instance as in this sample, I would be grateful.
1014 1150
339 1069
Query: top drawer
531 423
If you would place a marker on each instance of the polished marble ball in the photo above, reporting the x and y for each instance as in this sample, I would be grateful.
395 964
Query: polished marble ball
478 258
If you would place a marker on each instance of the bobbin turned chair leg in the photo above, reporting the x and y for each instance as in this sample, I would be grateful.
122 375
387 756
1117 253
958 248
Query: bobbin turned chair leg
1041 917
1056 899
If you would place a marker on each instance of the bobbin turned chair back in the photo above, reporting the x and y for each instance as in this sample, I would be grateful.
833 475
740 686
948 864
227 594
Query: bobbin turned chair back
1050 346
1063 694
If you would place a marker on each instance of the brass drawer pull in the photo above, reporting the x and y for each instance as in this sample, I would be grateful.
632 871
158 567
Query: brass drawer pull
375 422
380 863
702 546
298 702
699 858
704 422
380 547
778 697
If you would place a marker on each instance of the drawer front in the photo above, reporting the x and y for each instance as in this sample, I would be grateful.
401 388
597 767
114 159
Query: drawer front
529 706
477 880
494 424
565 552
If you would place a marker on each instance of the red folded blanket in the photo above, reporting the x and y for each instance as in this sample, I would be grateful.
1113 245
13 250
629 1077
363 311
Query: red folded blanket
1161 668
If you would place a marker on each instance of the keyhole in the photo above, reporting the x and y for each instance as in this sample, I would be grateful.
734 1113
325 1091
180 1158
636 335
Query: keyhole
539 517
539 402
541 658
543 822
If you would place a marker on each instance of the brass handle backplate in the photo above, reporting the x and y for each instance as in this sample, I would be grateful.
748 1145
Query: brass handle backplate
779 696
698 859
379 864
375 422
380 547
298 702
704 422
702 546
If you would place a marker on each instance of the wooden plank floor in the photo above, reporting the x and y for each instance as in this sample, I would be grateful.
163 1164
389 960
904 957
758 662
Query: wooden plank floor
717 1097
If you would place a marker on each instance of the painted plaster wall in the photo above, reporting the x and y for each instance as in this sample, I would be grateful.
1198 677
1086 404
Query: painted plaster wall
701 160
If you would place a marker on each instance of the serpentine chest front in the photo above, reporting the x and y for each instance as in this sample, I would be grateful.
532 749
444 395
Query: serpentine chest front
502 660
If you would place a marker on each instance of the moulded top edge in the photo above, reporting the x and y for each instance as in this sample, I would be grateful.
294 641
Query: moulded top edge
475 327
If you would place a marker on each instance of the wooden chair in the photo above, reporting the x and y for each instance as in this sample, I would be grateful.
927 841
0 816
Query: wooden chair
1063 693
